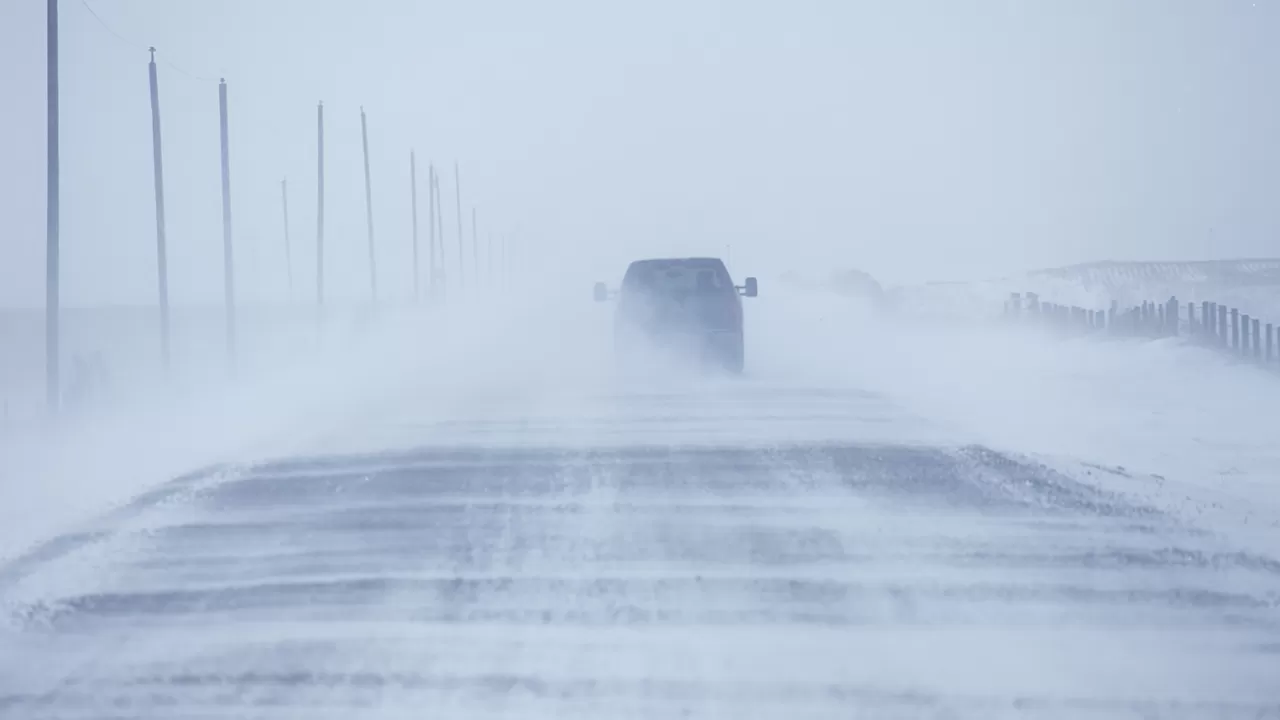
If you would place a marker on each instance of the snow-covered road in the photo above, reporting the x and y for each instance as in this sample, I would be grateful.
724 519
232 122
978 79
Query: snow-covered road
472 521
630 576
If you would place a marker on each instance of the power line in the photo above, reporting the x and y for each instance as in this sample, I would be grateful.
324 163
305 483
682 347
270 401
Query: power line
139 46
191 75
105 26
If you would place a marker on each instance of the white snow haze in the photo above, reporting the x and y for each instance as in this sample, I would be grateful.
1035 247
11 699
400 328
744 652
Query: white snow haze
451 494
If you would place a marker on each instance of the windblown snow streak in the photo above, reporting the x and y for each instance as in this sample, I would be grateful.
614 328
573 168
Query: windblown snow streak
616 579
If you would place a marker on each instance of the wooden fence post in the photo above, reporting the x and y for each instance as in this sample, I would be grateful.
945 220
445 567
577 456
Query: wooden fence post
1235 329
1270 337
1257 339
1244 333
1224 328
1206 320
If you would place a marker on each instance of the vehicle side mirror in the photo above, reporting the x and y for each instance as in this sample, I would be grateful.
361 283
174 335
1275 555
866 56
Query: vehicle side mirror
751 289
601 292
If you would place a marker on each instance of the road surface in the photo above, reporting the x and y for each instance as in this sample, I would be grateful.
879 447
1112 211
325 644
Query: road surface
746 553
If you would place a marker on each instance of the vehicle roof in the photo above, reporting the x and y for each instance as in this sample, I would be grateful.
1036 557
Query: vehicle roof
678 275
688 260
659 264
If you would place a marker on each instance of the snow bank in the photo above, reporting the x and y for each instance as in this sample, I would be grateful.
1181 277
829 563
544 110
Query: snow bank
1253 286
1187 429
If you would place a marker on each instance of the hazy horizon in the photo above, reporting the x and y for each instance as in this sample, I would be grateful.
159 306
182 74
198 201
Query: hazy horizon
915 141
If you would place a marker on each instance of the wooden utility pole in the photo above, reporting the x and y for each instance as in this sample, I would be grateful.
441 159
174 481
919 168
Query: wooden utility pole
457 186
288 251
228 259
162 261
368 205
431 240
320 204
444 285
413 202
53 384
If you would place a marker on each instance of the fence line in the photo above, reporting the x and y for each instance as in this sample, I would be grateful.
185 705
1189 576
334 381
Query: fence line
1207 323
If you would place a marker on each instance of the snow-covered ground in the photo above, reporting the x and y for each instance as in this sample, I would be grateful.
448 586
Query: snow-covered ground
1252 286
1185 428
885 518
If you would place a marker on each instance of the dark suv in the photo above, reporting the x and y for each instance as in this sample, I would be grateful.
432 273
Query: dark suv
683 304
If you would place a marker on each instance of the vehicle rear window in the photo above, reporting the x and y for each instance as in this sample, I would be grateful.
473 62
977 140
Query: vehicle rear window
678 278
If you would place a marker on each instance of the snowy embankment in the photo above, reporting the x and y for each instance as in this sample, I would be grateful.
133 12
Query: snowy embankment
1252 286
1176 425
1185 428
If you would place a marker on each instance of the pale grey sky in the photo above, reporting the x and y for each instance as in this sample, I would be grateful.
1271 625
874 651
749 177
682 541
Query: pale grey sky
914 139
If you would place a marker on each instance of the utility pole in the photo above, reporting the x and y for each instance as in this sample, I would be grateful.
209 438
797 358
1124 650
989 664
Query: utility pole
457 186
444 284
288 251
227 257
162 258
53 384
320 205
413 201
431 220
368 205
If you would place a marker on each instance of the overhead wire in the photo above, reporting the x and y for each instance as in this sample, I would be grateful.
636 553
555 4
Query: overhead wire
136 45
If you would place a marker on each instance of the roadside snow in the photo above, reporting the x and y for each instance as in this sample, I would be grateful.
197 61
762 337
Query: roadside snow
55 477
1185 429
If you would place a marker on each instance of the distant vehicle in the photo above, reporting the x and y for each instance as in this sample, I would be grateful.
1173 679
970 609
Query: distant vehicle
682 304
